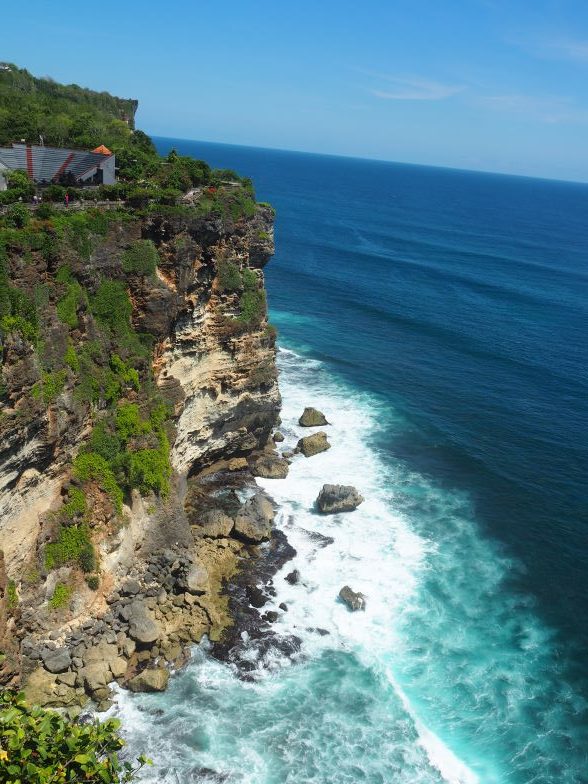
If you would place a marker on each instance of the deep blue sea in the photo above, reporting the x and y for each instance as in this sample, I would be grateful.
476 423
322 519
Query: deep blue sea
439 318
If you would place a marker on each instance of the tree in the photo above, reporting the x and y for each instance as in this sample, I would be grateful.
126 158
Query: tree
39 746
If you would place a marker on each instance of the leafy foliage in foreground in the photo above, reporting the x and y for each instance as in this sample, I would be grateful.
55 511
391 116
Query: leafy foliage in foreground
42 747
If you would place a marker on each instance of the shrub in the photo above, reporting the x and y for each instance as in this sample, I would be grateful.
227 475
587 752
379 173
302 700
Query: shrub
18 216
129 422
229 276
150 470
67 306
45 212
252 305
93 582
50 386
125 372
111 306
73 545
71 358
60 598
141 258
92 466
104 442
250 280
11 595
54 193
76 504
41 747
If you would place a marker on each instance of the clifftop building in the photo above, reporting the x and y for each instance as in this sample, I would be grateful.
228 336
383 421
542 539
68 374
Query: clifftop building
46 165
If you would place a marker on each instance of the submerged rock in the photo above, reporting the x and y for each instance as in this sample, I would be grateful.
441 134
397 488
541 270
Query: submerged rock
353 600
338 498
312 417
312 445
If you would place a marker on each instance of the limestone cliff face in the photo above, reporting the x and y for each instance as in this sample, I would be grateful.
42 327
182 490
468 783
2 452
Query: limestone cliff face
211 358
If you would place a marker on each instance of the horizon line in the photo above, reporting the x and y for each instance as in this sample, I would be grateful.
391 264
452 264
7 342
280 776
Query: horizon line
377 160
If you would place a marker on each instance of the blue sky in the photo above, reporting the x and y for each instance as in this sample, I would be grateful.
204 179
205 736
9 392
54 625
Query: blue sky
496 85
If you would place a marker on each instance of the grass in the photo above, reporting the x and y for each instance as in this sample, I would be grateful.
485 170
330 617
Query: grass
61 596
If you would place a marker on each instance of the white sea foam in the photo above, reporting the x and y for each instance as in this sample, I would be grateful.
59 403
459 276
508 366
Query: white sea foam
374 551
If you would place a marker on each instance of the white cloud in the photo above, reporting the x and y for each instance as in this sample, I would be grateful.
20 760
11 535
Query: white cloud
410 88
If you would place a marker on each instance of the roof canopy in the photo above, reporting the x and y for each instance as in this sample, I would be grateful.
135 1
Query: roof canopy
102 150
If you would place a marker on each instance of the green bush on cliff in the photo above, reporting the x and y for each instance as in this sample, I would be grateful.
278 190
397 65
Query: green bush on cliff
11 595
50 386
104 442
73 545
91 466
75 505
39 746
252 305
61 596
229 276
129 422
112 307
150 469
141 258
74 297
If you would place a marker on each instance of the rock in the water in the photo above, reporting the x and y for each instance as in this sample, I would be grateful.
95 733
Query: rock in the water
353 600
142 627
312 445
271 467
338 498
96 676
278 437
312 417
293 577
57 661
215 523
150 680
254 520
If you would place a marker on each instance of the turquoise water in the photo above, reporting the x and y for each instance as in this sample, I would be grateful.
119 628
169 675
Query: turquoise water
439 320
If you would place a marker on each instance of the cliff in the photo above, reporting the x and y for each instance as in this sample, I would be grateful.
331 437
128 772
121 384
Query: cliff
138 392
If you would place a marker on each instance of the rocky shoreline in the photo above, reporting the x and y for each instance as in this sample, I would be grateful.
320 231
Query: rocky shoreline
177 596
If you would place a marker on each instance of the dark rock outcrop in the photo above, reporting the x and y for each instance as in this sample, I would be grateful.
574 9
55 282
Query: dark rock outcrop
338 498
312 417
353 600
312 445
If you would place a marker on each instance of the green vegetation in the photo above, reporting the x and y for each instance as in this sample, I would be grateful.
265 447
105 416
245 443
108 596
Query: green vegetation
90 466
141 258
73 545
150 469
61 596
75 296
39 746
71 358
93 581
75 505
11 595
50 386
112 306
129 422
229 276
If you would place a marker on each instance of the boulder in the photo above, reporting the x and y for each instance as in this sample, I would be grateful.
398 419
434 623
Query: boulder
57 661
271 467
254 519
278 437
96 676
142 627
293 577
150 680
312 417
312 445
196 580
215 523
338 498
130 588
118 667
353 600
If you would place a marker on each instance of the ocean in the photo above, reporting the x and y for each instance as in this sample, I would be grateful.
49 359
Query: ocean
439 318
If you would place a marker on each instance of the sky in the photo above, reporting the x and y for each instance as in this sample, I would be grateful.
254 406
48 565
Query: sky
491 85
